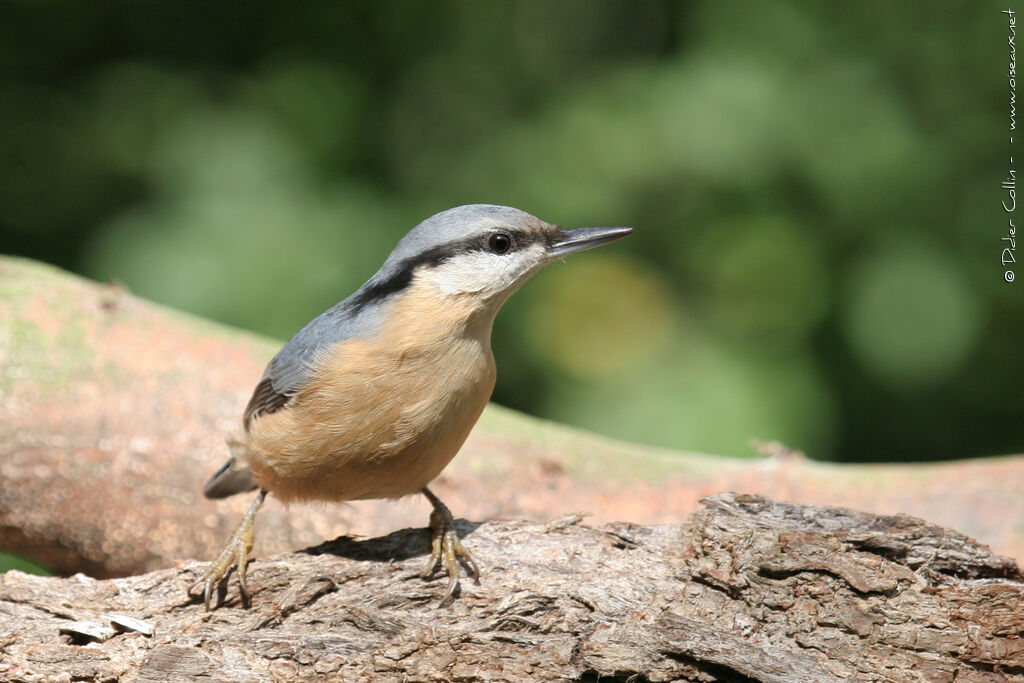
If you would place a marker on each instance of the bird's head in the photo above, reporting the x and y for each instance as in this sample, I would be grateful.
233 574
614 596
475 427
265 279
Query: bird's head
485 252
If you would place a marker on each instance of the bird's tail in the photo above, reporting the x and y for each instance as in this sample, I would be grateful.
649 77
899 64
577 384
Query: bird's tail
234 477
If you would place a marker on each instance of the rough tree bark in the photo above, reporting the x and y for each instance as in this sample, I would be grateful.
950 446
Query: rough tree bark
748 590
113 412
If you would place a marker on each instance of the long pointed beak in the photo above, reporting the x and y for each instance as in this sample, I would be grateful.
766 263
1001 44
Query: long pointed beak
585 238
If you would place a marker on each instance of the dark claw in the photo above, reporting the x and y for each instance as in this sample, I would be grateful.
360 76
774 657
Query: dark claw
235 552
446 548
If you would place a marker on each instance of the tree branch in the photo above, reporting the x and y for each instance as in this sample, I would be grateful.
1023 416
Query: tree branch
114 411
749 590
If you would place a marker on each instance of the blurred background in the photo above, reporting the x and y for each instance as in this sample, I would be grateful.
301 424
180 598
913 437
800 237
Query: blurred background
814 187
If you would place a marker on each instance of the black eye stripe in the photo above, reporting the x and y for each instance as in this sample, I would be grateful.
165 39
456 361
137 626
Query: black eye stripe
402 276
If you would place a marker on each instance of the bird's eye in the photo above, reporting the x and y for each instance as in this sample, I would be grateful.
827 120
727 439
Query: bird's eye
500 242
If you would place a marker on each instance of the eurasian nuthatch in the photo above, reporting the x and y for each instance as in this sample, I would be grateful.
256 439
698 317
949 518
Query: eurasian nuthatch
376 395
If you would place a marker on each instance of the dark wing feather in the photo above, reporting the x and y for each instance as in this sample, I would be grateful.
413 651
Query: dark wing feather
291 368
265 400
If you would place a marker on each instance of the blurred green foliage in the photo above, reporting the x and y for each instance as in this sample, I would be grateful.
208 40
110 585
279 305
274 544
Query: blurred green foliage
8 562
814 188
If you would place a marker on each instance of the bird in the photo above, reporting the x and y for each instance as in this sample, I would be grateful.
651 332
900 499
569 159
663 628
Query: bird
376 395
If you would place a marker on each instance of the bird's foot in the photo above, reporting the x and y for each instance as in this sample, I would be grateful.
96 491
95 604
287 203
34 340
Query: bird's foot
446 548
237 551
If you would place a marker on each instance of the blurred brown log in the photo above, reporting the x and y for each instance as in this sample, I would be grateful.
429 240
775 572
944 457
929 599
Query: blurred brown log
113 413
749 590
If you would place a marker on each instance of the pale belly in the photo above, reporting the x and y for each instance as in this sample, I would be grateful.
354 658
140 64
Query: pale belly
373 424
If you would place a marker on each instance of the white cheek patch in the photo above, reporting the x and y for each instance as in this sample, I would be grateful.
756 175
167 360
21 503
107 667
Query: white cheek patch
483 272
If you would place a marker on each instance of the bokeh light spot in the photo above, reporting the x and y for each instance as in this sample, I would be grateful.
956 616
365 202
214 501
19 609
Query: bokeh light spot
599 317
763 278
700 395
911 317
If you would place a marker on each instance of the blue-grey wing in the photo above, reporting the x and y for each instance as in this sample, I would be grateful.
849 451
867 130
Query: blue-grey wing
291 368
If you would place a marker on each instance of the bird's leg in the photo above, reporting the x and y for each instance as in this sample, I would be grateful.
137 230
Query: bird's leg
445 547
237 551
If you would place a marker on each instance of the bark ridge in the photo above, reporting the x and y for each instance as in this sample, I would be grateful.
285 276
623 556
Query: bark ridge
748 590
